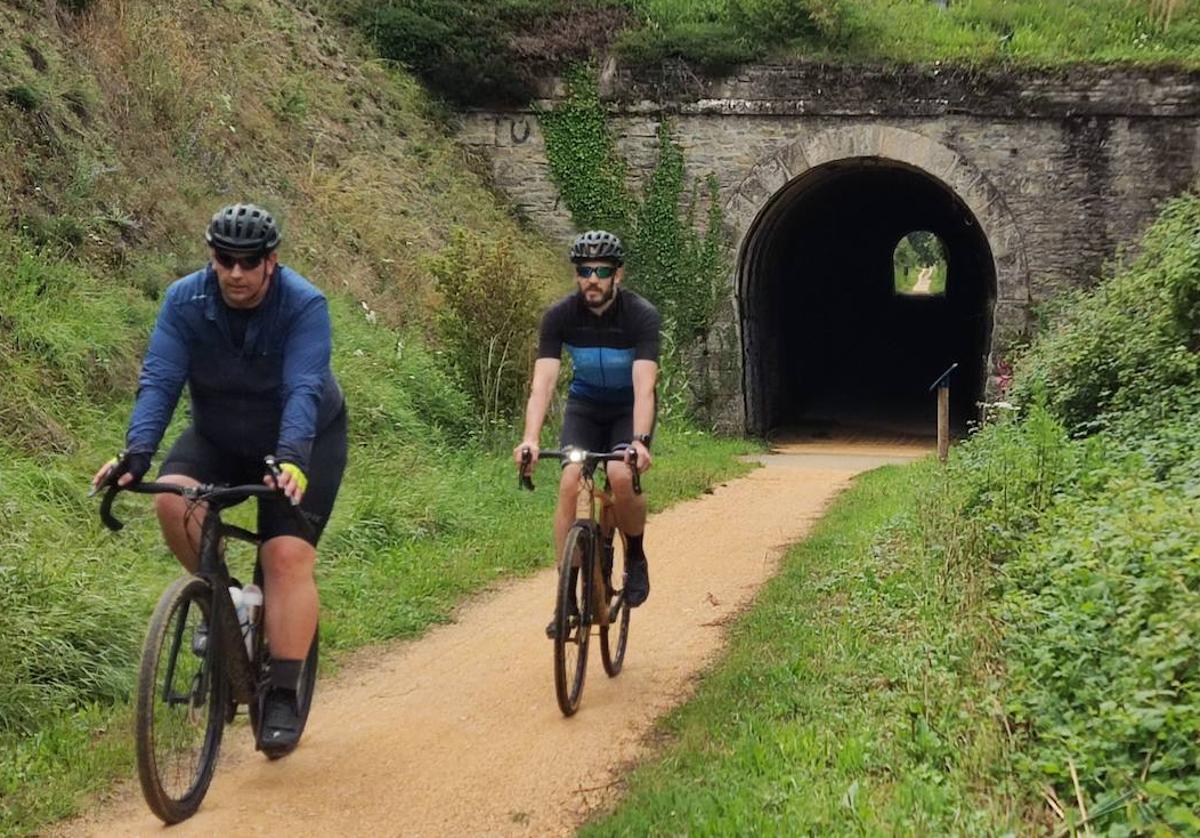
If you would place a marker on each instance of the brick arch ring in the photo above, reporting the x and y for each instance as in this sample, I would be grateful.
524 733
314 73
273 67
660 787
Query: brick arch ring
750 199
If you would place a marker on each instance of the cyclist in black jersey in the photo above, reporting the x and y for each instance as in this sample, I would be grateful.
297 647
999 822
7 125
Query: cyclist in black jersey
612 336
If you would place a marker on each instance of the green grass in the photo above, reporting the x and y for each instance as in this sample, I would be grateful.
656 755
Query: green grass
393 563
972 32
359 164
426 517
856 695
487 53
1003 645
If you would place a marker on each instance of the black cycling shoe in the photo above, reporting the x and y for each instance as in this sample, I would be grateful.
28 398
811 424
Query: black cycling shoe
281 727
553 624
637 582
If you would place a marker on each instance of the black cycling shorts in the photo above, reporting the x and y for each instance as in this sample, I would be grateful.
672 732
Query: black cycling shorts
597 427
196 457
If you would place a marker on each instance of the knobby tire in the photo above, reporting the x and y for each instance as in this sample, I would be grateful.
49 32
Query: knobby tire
175 778
571 642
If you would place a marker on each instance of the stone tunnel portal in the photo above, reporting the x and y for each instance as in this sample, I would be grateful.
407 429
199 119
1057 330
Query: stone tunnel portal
827 340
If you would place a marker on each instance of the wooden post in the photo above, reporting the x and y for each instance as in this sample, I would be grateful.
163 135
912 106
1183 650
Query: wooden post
942 385
943 423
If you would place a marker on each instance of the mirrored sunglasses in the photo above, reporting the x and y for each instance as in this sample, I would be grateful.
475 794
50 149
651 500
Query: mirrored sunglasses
602 272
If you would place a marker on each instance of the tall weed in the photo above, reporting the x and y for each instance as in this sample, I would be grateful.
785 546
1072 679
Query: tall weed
487 323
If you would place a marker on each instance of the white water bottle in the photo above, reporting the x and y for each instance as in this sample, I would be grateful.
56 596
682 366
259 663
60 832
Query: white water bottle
238 595
252 599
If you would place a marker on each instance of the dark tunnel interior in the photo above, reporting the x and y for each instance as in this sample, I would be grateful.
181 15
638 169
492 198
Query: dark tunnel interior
828 341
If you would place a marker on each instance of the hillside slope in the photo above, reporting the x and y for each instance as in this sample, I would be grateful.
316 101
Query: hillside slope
125 125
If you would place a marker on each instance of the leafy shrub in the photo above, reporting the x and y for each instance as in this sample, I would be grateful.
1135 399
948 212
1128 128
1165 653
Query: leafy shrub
25 97
1095 543
1135 336
1097 592
779 21
459 47
489 51
487 322
715 46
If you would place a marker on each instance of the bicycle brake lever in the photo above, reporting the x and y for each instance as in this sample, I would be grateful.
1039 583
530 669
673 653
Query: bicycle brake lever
277 473
525 480
637 475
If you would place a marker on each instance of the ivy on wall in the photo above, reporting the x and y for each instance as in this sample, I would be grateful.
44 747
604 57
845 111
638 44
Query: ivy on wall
583 157
678 264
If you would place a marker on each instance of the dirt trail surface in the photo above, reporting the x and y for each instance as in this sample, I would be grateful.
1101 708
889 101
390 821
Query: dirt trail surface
924 281
458 733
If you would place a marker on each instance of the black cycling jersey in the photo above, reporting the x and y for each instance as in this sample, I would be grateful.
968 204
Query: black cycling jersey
602 347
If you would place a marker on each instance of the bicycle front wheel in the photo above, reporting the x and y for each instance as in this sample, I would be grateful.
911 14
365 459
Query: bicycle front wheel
572 627
182 694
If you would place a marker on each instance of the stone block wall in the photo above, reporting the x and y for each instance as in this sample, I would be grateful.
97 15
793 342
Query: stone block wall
1061 169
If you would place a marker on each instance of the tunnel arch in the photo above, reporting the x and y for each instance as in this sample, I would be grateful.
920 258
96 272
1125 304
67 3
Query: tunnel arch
823 336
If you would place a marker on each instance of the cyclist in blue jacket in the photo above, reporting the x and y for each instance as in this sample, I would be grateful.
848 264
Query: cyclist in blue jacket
251 339
612 336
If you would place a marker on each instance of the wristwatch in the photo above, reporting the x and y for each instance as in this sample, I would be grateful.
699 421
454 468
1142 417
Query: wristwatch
644 439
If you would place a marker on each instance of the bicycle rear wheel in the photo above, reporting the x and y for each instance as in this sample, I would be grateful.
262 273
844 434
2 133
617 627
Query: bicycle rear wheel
572 626
613 643
182 694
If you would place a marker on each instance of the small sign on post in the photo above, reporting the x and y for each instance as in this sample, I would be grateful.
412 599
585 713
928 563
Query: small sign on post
942 385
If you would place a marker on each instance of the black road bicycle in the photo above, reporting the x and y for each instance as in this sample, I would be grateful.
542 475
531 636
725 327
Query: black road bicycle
586 596
196 668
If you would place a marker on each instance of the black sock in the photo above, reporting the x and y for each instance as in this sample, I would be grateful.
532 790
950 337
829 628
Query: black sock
634 543
285 674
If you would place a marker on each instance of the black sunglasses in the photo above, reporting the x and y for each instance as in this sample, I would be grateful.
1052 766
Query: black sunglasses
248 263
603 272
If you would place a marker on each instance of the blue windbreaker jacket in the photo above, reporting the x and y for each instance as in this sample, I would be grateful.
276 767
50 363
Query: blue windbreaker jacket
271 396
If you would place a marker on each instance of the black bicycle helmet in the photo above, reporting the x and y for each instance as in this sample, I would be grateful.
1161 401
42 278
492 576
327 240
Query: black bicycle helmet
597 244
243 227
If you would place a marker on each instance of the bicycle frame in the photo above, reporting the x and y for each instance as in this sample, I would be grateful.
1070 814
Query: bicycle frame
602 522
602 525
224 629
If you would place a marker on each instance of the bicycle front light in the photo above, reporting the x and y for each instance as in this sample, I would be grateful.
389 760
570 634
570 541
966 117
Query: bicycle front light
576 456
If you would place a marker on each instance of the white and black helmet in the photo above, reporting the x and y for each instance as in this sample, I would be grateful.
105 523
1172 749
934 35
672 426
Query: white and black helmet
243 227
597 244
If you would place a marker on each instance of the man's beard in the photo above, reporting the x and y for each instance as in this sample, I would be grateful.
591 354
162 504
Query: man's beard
605 297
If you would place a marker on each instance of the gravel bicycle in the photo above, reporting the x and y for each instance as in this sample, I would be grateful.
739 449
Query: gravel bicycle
586 596
199 663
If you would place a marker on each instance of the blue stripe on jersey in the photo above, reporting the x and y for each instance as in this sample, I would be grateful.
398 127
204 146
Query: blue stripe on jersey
602 374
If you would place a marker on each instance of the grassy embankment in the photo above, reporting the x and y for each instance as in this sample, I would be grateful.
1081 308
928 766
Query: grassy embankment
970 32
1008 643
126 126
476 51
